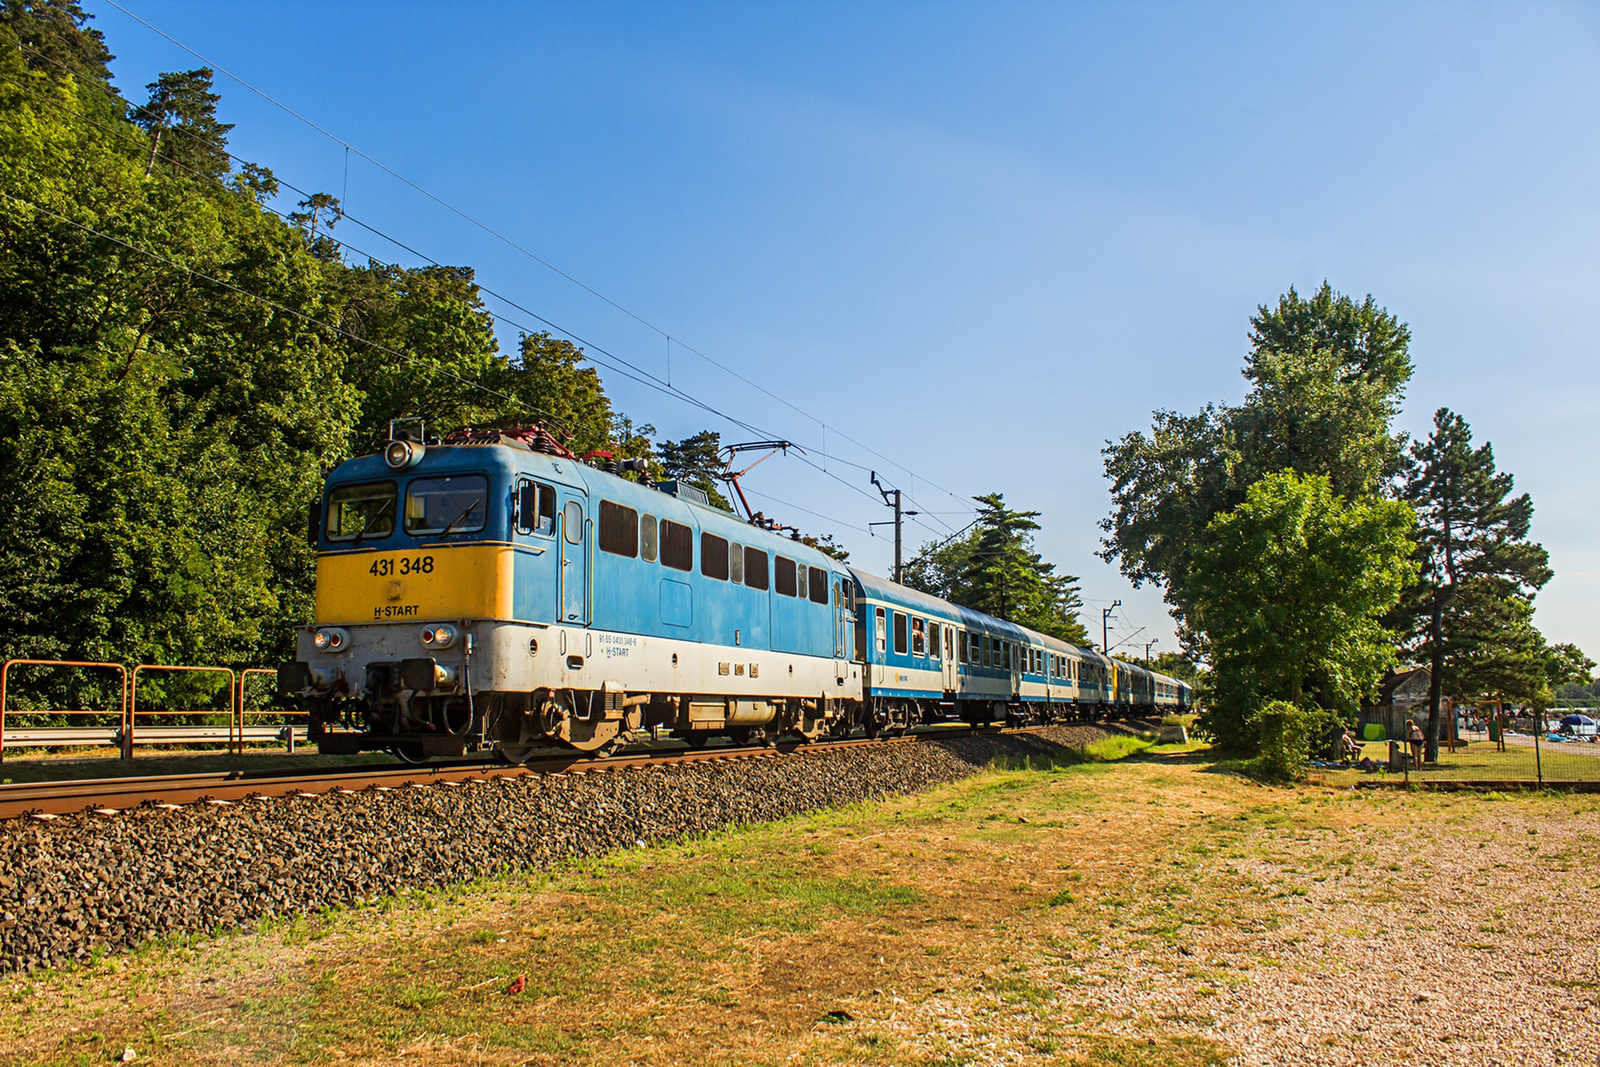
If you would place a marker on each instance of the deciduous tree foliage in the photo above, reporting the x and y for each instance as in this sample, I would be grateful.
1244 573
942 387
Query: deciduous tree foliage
995 569
1287 597
180 366
1327 374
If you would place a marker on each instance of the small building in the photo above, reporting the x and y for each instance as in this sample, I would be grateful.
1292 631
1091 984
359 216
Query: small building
1403 695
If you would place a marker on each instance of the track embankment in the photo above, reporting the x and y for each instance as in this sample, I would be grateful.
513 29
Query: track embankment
88 883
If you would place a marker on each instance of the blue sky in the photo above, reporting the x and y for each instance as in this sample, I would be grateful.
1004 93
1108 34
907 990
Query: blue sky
978 240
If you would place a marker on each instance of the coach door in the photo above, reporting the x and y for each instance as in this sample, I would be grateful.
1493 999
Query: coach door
574 562
948 645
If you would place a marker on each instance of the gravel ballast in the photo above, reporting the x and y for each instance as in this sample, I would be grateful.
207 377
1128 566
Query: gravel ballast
88 882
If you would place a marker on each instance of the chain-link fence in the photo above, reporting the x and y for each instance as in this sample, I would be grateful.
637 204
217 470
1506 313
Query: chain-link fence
1558 747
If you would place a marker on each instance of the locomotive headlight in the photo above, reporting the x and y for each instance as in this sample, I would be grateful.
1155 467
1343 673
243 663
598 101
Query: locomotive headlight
402 454
441 636
330 639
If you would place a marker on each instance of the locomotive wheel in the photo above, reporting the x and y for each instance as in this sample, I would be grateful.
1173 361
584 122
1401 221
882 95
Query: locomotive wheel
696 739
409 752
516 755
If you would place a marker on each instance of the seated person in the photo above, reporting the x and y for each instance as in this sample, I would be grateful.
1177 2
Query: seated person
1349 747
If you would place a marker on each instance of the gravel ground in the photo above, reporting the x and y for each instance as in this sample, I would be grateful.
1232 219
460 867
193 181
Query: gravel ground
1473 942
92 883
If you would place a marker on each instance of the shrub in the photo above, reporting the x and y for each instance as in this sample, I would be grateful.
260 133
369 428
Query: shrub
1285 734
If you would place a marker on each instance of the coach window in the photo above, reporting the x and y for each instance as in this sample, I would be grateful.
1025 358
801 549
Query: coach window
713 556
361 511
899 634
919 637
935 647
882 633
961 646
619 529
735 562
783 570
755 568
819 585
647 538
536 508
677 546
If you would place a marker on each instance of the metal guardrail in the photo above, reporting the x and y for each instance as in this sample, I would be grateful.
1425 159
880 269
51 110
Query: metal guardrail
133 725
123 690
287 731
130 735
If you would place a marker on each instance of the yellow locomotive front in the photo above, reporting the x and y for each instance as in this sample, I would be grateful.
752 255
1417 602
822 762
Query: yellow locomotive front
440 570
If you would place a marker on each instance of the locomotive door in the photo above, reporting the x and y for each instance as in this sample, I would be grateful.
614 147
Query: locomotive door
574 563
949 658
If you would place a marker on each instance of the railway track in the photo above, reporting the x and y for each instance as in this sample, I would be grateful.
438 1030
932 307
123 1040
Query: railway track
109 796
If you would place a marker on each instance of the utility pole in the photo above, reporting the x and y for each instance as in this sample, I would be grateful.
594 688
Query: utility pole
891 497
1147 644
1105 626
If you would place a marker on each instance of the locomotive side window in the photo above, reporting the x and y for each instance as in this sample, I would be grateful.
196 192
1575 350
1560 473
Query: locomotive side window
572 522
882 634
361 511
755 568
736 562
713 556
449 504
819 586
647 538
800 580
899 634
783 576
919 638
619 529
677 546
536 508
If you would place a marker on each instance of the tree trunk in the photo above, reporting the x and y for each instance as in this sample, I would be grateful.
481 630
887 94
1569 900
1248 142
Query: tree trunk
1435 679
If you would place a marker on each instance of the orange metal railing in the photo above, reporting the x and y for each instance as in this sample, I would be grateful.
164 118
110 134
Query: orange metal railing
242 713
123 693
130 730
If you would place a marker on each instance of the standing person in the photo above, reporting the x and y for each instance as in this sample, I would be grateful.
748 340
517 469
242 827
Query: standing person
1414 735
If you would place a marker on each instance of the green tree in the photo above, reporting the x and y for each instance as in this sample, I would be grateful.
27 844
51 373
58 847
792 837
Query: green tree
55 35
825 544
180 119
1288 594
995 569
696 460
1327 374
1476 563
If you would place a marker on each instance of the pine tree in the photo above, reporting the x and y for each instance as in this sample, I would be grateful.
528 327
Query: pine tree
182 104
1476 560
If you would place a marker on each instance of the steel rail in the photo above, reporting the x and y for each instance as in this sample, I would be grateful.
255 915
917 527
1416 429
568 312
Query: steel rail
112 795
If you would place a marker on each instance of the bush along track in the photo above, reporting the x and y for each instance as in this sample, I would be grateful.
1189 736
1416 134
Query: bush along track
86 884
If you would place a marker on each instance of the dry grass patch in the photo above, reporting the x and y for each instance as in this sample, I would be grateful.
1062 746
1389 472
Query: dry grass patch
1148 911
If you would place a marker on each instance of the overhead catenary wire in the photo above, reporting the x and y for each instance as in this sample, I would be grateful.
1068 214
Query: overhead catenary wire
486 228
610 360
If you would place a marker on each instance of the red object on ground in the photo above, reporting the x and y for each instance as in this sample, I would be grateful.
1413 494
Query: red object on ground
518 984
